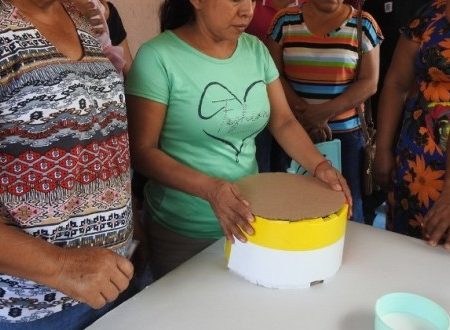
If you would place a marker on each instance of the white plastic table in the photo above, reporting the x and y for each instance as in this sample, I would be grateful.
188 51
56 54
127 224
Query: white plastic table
203 295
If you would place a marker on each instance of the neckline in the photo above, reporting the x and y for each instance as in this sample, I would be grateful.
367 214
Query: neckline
199 53
327 35
67 8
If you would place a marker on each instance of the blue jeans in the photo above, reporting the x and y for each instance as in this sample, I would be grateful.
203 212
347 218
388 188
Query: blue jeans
352 150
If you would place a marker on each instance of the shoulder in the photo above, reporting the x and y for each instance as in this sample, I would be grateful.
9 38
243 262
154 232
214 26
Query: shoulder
421 25
369 24
286 16
160 41
158 46
288 13
430 12
368 18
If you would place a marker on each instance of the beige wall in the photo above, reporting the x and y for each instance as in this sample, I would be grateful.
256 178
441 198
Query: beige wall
140 18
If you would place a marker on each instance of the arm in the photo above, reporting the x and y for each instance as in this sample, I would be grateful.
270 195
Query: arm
397 85
146 118
126 56
96 13
294 140
437 220
118 33
91 275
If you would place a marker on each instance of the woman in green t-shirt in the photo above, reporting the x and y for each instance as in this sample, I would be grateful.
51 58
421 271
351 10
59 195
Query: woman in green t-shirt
197 95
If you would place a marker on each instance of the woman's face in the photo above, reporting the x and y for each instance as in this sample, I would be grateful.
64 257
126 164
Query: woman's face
327 6
224 19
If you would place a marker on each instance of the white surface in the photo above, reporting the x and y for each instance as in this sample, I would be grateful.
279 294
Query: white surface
401 321
285 269
203 295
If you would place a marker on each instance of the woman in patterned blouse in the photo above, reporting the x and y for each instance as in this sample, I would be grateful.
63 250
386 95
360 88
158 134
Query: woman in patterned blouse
65 211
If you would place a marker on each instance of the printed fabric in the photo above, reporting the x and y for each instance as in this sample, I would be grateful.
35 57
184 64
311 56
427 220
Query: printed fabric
420 153
64 159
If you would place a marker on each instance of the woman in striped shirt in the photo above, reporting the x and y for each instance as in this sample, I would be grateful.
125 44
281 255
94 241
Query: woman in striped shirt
315 47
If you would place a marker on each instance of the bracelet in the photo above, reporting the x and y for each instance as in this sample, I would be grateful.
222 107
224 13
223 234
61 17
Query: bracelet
320 163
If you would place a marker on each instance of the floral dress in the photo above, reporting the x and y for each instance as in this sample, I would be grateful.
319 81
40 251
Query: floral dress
420 153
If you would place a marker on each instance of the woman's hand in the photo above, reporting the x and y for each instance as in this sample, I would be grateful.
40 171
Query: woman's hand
331 176
437 222
95 12
320 134
314 114
383 167
316 126
92 275
231 209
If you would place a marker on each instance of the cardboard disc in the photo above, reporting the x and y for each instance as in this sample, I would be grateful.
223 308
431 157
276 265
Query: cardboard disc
291 197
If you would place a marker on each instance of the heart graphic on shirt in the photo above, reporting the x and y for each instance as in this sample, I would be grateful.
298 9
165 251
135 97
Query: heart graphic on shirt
231 114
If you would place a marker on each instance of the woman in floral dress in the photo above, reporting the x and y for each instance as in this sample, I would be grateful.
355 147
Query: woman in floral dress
418 82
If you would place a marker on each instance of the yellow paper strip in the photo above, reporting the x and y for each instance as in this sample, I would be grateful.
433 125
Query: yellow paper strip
309 234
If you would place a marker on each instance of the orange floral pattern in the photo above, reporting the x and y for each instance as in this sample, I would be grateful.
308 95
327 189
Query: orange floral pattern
423 182
435 91
430 145
420 153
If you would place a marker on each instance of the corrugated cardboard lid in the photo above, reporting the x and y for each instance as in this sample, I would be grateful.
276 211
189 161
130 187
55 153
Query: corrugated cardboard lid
291 197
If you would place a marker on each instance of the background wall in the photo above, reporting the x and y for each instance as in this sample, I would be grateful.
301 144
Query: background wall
140 18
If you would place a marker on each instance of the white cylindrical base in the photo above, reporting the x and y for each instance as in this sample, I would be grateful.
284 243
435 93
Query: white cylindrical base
285 269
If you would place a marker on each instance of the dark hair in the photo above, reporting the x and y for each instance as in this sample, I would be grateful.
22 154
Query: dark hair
175 13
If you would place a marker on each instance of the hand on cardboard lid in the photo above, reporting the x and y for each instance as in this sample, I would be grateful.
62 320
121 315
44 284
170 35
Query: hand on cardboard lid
325 172
232 210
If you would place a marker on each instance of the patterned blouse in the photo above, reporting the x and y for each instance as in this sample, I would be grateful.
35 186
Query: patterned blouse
421 151
64 159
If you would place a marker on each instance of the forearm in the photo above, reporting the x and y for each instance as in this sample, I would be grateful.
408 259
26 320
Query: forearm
295 101
29 257
398 83
390 110
126 56
158 166
446 188
355 95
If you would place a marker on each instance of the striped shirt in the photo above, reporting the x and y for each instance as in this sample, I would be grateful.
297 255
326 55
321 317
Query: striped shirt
320 68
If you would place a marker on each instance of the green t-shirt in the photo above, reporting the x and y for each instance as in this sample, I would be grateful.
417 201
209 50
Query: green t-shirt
215 108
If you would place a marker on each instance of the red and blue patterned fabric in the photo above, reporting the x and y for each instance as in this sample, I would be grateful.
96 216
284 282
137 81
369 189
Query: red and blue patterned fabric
64 159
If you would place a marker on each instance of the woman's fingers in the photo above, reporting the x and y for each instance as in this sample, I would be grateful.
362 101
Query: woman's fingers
437 222
336 181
